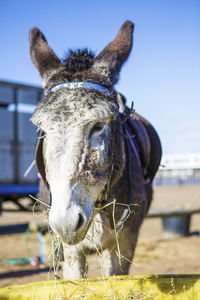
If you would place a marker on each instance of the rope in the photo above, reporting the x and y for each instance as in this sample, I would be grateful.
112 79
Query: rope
26 235
31 259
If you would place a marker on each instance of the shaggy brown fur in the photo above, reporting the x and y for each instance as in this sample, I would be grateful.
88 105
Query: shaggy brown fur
84 152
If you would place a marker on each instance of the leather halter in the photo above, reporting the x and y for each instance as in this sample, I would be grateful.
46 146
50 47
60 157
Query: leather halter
130 140
102 200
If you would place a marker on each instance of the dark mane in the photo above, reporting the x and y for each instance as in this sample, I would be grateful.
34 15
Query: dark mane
78 59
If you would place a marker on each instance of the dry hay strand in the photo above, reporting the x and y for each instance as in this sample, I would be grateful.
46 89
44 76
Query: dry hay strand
139 295
57 256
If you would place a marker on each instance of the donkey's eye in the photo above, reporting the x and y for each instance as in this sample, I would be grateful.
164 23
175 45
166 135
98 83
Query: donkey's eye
97 127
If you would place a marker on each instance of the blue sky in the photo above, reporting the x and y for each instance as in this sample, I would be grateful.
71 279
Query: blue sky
162 75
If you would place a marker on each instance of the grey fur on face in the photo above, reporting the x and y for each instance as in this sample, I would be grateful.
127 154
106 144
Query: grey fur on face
84 155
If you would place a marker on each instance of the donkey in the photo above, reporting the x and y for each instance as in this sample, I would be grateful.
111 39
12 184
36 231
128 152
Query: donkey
97 157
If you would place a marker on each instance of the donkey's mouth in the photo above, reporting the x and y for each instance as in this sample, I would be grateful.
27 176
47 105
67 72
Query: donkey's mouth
72 236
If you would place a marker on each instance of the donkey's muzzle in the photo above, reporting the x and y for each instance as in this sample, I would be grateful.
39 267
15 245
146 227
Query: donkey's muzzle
70 224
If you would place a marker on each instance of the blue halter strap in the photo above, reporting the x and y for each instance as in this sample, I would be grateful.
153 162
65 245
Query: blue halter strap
80 85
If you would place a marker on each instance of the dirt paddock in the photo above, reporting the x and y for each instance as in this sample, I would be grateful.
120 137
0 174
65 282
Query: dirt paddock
155 253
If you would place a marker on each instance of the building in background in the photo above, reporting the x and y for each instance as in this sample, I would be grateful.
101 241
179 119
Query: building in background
179 169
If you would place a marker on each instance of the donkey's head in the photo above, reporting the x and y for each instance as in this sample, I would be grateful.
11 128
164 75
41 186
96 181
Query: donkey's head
82 153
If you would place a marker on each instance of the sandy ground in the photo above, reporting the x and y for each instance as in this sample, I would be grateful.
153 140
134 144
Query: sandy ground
156 253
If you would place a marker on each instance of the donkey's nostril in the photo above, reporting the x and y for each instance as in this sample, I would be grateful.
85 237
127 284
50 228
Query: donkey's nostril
80 222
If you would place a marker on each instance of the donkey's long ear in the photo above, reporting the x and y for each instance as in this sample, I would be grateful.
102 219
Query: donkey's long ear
43 57
111 59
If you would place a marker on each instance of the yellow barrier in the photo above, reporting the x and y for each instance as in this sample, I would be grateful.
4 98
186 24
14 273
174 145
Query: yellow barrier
161 287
